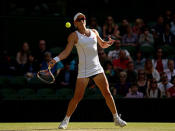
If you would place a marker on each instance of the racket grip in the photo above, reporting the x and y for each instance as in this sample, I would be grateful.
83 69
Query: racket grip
49 67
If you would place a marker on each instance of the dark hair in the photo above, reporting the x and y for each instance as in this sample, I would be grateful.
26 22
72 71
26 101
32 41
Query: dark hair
134 85
47 53
22 51
153 80
106 63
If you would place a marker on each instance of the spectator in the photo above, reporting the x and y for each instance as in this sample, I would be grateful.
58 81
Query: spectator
146 38
134 93
66 78
7 64
130 38
114 54
94 25
171 91
39 54
142 81
150 71
168 16
22 58
139 23
122 87
44 65
172 29
103 57
131 73
31 67
157 31
73 65
109 71
159 27
22 55
139 61
153 91
170 71
110 28
167 37
122 62
123 26
159 63
163 85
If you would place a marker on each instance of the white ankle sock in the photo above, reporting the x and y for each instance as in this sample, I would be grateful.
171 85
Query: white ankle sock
67 118
115 115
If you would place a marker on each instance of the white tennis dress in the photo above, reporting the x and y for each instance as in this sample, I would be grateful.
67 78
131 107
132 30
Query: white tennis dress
89 63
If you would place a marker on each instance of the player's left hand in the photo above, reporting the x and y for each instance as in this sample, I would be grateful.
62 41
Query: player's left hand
110 41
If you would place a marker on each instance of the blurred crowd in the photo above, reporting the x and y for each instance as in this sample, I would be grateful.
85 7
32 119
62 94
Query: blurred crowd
140 63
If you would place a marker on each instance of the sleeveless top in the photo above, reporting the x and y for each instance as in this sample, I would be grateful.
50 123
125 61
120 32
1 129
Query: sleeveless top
89 64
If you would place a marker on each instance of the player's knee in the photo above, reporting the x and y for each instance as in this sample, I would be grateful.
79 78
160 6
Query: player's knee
107 94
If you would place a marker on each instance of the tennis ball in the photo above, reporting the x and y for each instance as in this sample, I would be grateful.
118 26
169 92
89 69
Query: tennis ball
68 24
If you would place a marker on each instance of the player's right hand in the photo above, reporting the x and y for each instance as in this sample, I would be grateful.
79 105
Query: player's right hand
52 63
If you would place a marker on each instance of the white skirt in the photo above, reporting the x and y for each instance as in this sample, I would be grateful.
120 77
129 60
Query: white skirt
89 72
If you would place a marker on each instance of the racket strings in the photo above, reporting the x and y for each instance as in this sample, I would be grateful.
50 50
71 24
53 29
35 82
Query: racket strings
46 76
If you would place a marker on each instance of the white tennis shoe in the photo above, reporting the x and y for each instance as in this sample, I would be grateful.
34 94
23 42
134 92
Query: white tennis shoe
64 124
119 122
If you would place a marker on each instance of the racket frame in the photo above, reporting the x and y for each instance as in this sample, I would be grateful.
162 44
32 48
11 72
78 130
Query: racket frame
45 81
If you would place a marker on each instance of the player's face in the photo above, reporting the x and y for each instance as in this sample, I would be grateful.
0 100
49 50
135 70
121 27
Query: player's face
81 20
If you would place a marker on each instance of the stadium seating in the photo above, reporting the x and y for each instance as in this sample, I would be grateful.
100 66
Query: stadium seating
148 51
167 50
93 93
131 49
18 81
35 83
8 94
64 93
26 94
4 80
46 94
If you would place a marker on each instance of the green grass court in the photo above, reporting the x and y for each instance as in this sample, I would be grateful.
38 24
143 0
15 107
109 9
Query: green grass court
87 126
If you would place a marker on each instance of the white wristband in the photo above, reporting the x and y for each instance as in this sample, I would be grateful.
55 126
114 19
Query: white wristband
57 59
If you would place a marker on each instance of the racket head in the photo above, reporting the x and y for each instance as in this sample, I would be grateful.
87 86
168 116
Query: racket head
46 76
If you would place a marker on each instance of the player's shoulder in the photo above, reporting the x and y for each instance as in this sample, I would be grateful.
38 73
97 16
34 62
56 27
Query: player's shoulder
73 35
95 31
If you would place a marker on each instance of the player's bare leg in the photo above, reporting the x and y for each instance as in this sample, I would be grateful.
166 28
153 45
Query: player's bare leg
81 85
102 83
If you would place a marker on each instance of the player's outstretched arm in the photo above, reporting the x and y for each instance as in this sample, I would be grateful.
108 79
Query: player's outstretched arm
65 53
102 43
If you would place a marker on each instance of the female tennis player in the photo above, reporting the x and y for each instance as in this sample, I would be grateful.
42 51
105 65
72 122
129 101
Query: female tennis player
89 66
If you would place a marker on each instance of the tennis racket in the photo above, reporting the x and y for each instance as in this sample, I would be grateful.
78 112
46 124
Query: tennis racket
46 76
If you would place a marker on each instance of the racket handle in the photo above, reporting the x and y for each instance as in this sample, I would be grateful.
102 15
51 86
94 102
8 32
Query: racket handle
49 67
